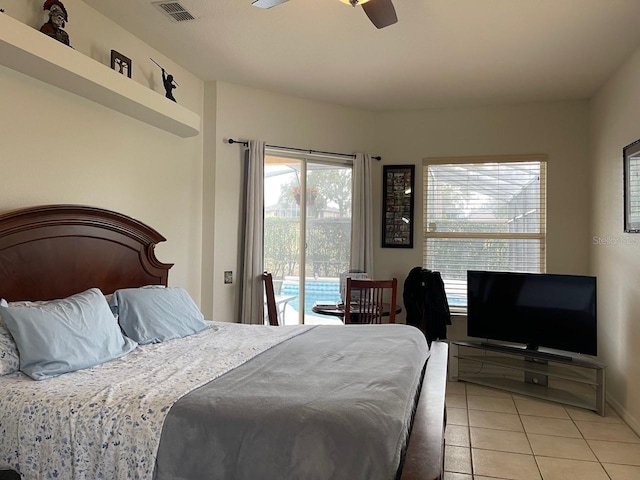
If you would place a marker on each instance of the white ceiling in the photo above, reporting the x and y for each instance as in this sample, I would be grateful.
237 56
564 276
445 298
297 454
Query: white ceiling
441 53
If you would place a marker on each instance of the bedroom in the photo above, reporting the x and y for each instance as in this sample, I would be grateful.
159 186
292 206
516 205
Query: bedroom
60 148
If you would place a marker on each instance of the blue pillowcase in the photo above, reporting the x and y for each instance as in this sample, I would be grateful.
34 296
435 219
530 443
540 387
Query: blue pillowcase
153 315
65 335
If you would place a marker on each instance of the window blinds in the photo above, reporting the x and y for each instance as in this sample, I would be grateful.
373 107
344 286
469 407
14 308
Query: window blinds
488 214
632 194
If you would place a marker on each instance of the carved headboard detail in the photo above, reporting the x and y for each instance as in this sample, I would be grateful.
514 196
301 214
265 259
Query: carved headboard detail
53 251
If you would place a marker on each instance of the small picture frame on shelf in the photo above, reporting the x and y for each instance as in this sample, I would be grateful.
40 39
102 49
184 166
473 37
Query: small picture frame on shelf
631 174
121 63
397 206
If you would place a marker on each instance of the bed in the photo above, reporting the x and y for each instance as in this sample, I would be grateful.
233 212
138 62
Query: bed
55 251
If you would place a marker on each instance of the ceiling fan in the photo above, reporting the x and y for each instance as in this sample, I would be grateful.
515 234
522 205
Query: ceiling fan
380 12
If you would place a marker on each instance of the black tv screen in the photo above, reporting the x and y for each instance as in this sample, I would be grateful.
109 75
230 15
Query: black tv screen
535 309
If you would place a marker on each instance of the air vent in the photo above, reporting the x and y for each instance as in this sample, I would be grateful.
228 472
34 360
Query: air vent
175 11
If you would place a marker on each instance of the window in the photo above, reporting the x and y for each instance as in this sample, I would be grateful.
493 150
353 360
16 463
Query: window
483 213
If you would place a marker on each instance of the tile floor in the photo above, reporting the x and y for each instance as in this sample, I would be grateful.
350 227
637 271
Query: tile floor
492 434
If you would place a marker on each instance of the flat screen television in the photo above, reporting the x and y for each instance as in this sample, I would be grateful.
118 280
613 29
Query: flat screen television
534 309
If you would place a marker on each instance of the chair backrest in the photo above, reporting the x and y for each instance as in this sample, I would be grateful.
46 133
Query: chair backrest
270 293
364 301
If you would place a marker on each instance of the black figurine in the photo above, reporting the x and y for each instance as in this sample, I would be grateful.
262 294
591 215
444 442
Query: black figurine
168 82
57 18
168 85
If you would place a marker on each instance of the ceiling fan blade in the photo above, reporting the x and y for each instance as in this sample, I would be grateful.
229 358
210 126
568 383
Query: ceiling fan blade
380 12
267 3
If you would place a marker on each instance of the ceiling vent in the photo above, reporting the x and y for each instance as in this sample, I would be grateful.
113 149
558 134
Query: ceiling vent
175 11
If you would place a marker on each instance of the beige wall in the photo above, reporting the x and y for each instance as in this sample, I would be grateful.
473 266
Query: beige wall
56 147
615 255
208 198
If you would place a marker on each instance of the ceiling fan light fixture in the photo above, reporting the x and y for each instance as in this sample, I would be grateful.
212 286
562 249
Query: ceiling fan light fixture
353 3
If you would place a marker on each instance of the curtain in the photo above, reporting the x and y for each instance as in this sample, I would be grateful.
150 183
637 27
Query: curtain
362 215
251 289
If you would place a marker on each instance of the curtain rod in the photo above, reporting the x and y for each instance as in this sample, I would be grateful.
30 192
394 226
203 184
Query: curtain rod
231 141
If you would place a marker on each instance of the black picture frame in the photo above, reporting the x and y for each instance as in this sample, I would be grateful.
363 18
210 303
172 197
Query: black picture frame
631 177
397 206
121 63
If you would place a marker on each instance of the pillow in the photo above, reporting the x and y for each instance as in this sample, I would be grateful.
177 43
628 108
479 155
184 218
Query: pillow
153 315
65 335
9 359
109 296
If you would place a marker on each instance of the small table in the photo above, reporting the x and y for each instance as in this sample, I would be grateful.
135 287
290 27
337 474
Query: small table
337 310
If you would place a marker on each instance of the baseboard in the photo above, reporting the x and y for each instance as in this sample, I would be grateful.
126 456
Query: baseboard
633 422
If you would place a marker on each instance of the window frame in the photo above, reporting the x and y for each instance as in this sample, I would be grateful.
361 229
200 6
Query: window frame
304 159
630 156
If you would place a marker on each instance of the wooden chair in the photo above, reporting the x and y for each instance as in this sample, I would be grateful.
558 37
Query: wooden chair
272 311
364 301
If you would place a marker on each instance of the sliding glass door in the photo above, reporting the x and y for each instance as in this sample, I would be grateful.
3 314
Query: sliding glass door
306 231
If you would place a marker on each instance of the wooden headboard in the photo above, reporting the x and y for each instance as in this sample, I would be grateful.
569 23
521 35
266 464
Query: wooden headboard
54 251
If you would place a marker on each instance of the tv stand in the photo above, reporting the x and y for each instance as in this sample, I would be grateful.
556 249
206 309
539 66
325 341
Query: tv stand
572 380
524 351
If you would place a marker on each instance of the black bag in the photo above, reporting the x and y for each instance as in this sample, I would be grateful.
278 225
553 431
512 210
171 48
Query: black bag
426 303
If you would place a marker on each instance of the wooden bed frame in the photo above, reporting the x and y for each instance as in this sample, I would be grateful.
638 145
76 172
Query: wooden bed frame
54 251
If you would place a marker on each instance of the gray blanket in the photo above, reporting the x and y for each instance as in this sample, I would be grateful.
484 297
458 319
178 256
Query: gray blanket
332 403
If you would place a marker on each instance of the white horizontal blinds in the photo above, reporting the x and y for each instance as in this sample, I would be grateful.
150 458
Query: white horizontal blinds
483 215
633 191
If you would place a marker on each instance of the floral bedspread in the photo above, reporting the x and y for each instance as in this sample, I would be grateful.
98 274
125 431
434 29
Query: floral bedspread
105 422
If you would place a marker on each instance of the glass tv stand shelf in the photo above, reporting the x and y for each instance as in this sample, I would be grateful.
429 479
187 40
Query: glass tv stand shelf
572 380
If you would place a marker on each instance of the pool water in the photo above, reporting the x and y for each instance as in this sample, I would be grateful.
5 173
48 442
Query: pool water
315 291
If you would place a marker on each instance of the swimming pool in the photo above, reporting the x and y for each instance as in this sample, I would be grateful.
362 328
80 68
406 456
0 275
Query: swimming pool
316 290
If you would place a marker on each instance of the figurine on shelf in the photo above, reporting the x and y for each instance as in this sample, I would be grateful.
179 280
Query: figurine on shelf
168 82
57 18
168 85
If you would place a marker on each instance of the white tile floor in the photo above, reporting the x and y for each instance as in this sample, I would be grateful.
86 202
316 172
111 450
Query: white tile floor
492 434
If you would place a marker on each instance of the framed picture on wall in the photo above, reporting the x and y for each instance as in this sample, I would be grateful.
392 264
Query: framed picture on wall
397 206
120 63
631 174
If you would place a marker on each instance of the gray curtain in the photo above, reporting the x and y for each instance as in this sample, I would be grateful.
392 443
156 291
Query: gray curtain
252 290
362 216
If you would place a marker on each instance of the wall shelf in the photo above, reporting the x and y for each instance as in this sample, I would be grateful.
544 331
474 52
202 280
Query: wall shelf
28 51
